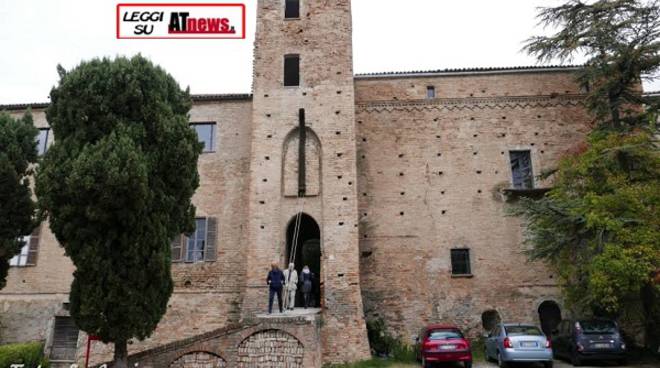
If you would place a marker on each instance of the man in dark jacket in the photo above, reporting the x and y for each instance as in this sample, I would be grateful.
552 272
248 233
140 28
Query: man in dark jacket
275 281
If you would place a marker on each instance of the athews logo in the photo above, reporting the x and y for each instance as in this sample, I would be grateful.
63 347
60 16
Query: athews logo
181 21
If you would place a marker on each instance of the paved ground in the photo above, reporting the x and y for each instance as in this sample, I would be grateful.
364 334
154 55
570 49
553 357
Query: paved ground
558 364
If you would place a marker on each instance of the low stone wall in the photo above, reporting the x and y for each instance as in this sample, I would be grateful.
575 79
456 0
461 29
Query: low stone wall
275 342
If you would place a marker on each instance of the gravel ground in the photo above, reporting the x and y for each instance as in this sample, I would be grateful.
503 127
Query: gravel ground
558 364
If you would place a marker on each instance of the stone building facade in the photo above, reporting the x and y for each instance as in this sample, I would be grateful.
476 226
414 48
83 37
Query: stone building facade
393 187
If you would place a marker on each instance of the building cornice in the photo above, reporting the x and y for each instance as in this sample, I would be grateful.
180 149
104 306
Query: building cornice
472 103
195 98
471 71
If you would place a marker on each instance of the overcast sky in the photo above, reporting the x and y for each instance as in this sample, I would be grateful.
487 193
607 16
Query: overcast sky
389 35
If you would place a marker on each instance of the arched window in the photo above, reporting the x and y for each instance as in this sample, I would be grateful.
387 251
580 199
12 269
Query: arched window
291 164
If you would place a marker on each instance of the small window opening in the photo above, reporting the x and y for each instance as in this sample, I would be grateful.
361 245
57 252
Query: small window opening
292 9
430 92
521 169
292 70
460 262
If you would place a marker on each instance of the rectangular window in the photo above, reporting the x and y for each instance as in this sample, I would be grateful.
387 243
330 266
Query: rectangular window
65 340
196 242
205 134
21 259
430 92
292 70
460 262
291 9
521 169
42 141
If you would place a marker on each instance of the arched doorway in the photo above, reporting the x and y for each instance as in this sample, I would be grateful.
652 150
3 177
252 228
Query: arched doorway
305 250
199 359
550 316
489 319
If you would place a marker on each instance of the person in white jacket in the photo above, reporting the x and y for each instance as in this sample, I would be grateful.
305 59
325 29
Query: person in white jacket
290 286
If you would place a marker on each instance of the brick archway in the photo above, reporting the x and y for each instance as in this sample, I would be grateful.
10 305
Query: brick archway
272 349
199 359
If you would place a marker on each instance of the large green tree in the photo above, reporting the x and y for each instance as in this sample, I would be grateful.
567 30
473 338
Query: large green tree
117 188
599 227
18 150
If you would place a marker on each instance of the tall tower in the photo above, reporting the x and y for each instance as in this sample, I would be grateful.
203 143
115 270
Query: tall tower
303 165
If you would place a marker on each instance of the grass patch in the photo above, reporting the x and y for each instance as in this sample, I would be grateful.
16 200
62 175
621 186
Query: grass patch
31 354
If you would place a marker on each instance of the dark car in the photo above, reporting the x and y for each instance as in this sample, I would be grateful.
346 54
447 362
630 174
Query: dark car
443 343
588 339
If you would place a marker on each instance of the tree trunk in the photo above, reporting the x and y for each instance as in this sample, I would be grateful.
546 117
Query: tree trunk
121 355
615 113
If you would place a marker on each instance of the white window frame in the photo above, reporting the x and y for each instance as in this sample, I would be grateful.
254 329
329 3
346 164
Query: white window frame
20 260
192 240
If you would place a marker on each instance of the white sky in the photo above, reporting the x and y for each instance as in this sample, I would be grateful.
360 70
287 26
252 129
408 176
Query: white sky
389 35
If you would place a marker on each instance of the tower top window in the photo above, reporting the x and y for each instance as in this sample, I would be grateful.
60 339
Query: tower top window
291 9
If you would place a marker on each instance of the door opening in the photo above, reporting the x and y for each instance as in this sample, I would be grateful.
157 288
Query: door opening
307 253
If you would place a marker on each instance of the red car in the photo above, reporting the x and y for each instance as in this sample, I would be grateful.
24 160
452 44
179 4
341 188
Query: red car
443 343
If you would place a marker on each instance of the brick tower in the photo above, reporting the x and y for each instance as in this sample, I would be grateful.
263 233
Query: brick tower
303 160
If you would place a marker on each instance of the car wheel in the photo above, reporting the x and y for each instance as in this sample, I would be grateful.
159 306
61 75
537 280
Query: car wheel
501 363
425 364
548 364
468 364
575 360
623 361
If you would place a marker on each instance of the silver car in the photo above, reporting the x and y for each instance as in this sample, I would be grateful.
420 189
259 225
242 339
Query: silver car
508 343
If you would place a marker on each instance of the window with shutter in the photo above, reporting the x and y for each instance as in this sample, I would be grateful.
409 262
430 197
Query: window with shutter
177 248
211 251
65 340
33 246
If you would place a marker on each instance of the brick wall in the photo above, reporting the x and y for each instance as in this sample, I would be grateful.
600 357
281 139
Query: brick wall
431 179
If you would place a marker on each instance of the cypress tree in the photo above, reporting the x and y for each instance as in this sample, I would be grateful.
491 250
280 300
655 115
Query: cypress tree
18 150
117 187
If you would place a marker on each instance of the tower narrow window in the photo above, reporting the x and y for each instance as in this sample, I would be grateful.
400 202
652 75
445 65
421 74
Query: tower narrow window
430 92
291 9
292 70
521 169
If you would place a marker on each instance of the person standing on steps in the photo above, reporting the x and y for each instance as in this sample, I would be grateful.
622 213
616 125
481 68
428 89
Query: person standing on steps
275 281
306 279
290 286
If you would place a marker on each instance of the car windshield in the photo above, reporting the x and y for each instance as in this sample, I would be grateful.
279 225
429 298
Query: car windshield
598 327
445 334
522 331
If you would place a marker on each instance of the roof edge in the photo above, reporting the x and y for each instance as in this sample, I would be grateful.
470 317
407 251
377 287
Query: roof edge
195 98
471 71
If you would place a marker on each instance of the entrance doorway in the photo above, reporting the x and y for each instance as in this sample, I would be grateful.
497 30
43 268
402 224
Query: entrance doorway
550 316
307 249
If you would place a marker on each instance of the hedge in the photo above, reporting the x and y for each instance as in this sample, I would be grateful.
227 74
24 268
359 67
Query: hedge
31 354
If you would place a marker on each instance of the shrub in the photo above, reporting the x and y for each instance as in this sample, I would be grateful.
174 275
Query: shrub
31 354
383 344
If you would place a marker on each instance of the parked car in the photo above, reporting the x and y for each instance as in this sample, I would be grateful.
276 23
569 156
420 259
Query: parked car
443 343
508 343
589 339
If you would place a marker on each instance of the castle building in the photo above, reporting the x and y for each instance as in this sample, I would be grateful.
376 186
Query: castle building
392 187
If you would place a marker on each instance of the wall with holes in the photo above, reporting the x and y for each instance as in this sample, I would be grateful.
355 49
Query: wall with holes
432 177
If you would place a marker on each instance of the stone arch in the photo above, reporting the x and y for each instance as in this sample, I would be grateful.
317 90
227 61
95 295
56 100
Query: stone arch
307 253
312 163
272 349
490 319
199 359
549 315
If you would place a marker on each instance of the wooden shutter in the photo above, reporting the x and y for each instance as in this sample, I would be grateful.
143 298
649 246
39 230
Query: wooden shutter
33 250
211 251
177 248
